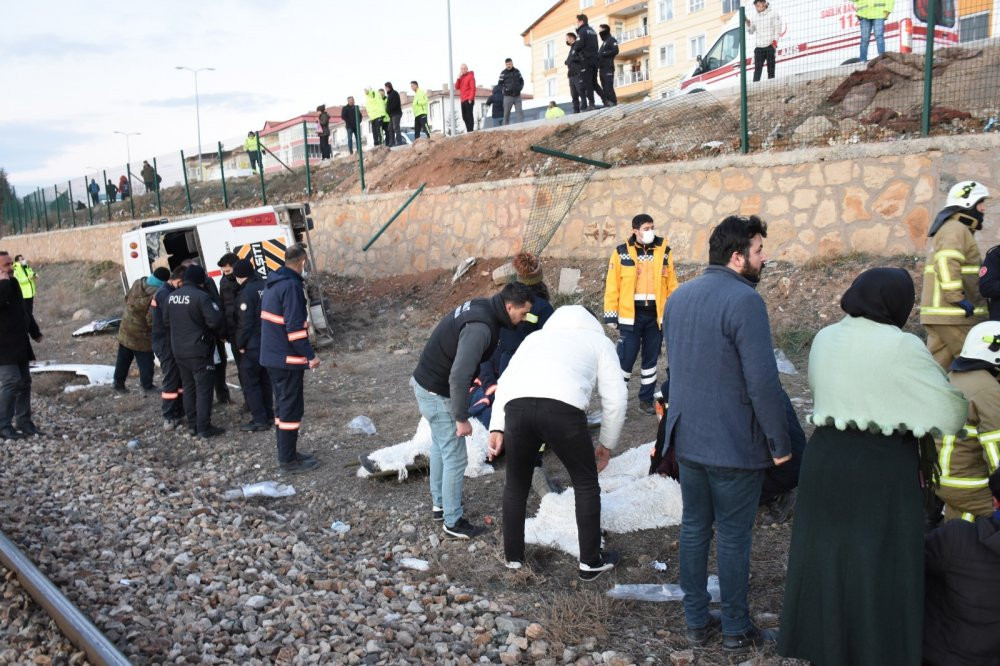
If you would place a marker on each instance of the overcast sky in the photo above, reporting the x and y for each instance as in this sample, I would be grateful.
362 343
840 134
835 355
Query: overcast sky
73 72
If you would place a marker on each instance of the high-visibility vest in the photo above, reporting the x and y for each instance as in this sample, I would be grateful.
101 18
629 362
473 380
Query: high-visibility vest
25 277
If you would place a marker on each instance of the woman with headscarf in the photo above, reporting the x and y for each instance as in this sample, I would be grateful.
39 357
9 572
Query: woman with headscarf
854 588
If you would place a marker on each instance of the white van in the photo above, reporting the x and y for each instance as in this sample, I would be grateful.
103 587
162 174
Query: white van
262 234
817 35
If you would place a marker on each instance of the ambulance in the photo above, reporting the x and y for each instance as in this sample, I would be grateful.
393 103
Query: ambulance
259 234
819 35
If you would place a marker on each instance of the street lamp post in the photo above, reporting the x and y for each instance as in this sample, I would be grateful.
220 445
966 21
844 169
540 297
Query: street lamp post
197 109
128 148
451 76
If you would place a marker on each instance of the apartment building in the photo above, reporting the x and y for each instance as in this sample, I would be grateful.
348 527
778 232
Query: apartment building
658 42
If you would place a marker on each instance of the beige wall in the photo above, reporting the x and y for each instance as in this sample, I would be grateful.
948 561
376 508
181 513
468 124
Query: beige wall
878 199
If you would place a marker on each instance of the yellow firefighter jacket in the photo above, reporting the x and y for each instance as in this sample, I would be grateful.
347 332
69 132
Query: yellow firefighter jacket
966 463
633 268
951 274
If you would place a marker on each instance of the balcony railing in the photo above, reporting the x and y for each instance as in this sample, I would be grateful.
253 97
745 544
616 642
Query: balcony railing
628 78
634 33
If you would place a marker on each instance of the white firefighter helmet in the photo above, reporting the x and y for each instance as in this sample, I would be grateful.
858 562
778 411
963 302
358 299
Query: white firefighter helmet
962 199
983 343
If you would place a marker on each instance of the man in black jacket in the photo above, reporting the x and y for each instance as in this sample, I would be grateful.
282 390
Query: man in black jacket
349 114
16 324
195 322
606 65
512 83
573 68
962 593
394 136
463 339
254 379
588 54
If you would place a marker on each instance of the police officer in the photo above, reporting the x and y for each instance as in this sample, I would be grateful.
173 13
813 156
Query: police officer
170 386
286 353
195 322
254 377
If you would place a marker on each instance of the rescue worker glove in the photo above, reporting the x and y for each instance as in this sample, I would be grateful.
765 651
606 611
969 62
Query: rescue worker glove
967 306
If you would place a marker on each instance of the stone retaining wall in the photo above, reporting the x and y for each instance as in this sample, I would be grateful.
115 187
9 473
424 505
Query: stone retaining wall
875 198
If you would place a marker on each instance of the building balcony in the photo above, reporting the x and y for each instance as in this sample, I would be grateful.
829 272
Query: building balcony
625 8
633 43
631 78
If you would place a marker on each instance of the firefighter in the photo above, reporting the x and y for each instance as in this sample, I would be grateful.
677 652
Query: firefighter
640 279
967 462
286 353
195 322
254 378
950 303
170 385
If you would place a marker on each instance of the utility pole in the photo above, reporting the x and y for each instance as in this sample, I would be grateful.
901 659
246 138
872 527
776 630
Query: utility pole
197 110
451 76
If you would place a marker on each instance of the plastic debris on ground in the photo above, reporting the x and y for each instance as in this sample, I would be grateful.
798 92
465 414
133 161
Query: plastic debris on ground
361 425
660 593
414 563
106 325
659 566
785 366
463 268
340 527
260 489
97 375
133 444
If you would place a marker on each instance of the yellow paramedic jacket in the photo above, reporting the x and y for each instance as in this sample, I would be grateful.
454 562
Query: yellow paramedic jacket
966 463
950 275
624 271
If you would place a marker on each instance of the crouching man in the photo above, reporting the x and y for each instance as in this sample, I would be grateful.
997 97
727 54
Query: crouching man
543 397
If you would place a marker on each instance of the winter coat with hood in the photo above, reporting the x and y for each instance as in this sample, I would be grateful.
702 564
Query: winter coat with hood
374 105
136 330
284 337
466 86
765 26
951 274
496 101
589 46
606 54
564 361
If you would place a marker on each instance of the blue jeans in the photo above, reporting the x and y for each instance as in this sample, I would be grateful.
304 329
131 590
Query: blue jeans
448 456
728 498
644 334
866 30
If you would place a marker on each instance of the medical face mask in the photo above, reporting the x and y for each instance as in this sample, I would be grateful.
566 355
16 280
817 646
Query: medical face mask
647 237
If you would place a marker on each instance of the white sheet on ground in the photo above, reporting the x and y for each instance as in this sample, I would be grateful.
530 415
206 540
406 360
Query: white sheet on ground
399 456
631 500
97 375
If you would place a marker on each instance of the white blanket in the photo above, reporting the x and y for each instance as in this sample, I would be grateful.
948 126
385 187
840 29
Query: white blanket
399 456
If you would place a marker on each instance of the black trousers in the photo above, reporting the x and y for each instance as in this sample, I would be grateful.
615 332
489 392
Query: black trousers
467 116
290 405
221 387
171 406
420 123
587 79
324 146
563 428
608 88
574 91
143 359
255 162
377 131
760 57
257 388
198 375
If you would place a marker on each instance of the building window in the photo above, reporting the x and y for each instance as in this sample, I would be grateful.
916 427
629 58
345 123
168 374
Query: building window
550 55
695 6
729 6
696 47
666 55
586 4
971 28
550 87
665 10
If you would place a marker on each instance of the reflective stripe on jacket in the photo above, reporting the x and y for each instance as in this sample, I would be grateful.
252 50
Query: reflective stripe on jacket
624 269
284 333
951 274
967 462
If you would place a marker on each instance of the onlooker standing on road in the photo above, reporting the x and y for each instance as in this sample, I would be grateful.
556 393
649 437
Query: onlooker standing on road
124 189
466 87
421 107
588 50
149 175
375 106
95 192
574 66
728 423
460 342
511 83
252 146
542 397
16 325
286 353
172 407
495 103
871 17
135 335
349 114
323 131
254 378
766 28
640 279
111 190
27 278
393 107
606 65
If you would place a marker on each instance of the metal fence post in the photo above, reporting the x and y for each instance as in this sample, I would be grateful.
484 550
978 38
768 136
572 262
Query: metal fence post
156 186
131 200
90 203
72 204
925 120
187 187
744 119
45 208
222 172
55 189
107 199
263 191
357 136
305 145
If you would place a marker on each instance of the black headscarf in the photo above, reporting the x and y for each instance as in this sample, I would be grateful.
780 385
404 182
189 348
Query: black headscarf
884 295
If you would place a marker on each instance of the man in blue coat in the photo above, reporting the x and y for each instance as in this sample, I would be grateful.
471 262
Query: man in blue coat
728 423
286 353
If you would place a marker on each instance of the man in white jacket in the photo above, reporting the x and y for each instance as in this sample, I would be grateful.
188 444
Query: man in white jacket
766 28
543 397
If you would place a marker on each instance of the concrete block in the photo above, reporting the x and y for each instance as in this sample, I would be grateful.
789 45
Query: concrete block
569 280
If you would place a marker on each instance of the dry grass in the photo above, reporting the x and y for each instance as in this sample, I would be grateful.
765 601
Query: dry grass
570 618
